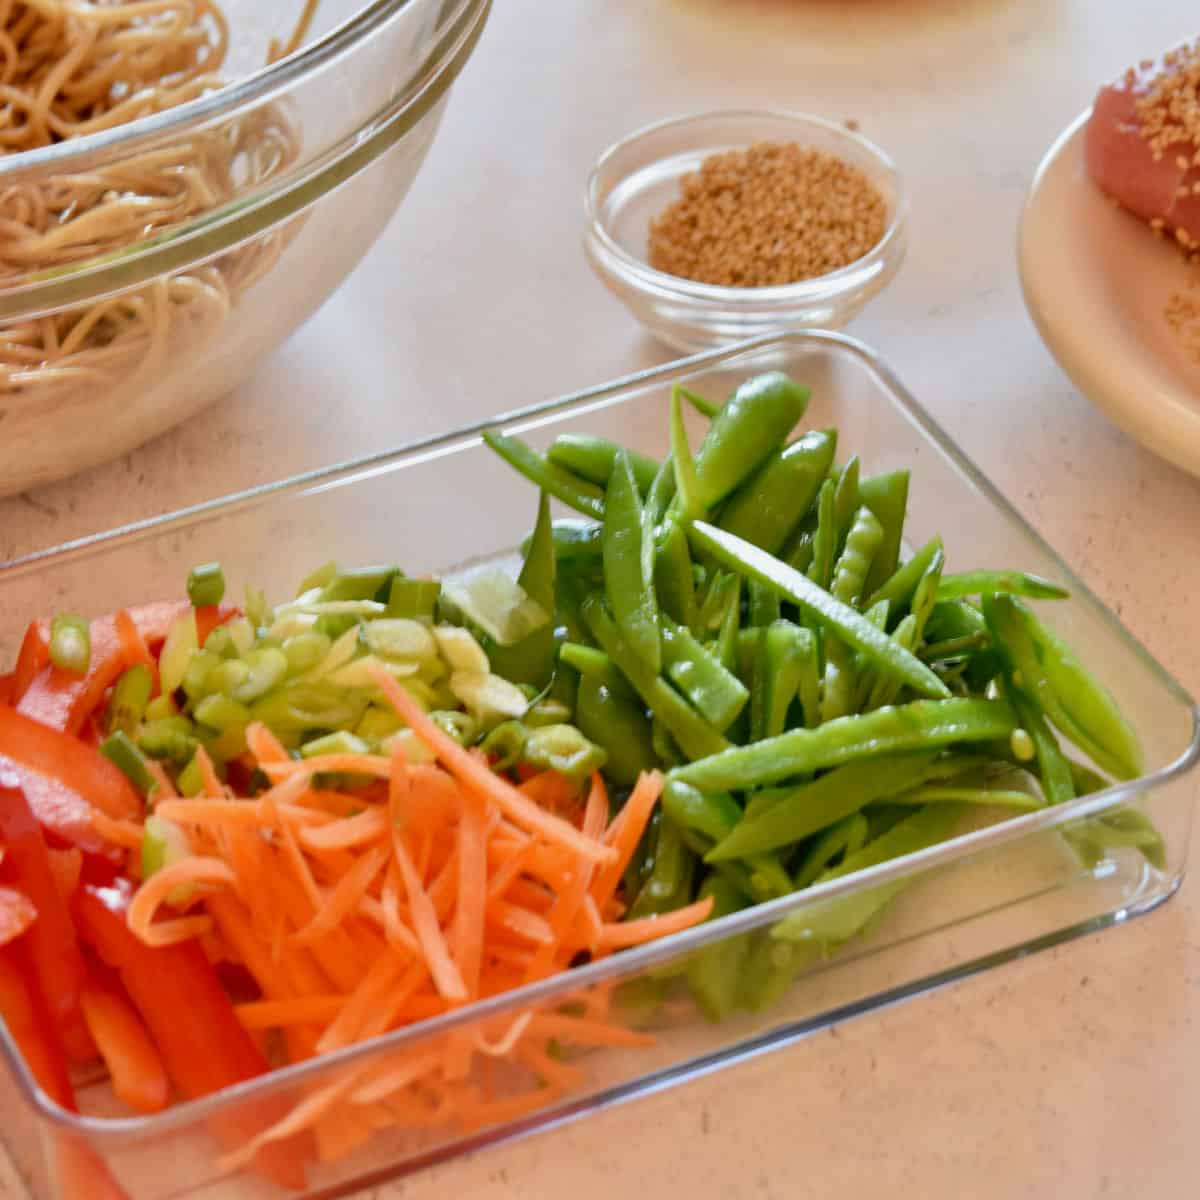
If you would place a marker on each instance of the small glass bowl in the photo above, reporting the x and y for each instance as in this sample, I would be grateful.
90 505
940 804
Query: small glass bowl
635 179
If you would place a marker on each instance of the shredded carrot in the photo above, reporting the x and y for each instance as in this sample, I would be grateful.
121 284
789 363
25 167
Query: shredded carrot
473 773
625 832
276 1014
133 645
348 833
471 890
264 745
208 775
165 789
647 929
344 898
126 834
147 899
445 973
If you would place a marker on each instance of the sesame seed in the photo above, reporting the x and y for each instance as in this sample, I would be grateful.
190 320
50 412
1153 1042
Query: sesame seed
773 214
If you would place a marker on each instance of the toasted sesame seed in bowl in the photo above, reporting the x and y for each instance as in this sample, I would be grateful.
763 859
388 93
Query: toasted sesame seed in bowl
723 226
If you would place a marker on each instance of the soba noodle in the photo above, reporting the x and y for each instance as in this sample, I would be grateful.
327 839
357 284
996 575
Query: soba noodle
73 67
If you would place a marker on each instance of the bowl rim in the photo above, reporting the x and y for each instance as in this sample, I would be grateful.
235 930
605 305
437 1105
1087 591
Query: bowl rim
247 215
615 259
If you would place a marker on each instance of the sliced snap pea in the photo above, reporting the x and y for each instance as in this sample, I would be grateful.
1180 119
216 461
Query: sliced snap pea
629 566
689 498
836 618
706 408
206 585
990 583
898 589
748 428
673 578
797 813
121 750
920 725
1066 692
611 720
531 659
70 643
768 506
824 540
845 501
716 693
831 923
130 696
714 973
887 497
845 837
577 493
696 737
591 458
863 540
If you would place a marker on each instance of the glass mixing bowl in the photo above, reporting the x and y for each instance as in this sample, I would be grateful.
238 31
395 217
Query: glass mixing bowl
315 153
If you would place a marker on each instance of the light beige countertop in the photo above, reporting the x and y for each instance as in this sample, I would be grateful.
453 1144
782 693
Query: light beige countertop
1073 1073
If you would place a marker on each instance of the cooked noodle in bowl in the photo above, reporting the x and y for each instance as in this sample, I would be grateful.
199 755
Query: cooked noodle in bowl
69 68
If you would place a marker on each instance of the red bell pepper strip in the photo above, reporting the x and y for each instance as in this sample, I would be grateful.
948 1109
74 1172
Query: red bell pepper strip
51 944
34 655
16 914
179 996
65 700
81 1174
7 686
133 1061
63 779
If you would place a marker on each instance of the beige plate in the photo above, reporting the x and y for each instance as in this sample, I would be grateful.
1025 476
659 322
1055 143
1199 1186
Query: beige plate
1097 283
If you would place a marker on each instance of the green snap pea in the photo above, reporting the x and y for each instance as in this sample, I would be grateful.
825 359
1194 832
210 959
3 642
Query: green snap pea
862 543
662 492
629 566
669 884
1065 691
887 497
595 664
706 408
576 493
798 813
791 673
591 458
838 619
747 429
763 604
731 625
689 496
674 581
696 737
945 794
831 923
839 690
899 588
844 837
768 506
716 693
714 973
531 659
1052 768
920 725
824 541
991 583
845 501
611 720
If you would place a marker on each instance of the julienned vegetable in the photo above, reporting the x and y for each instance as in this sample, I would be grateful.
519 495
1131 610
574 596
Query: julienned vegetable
388 797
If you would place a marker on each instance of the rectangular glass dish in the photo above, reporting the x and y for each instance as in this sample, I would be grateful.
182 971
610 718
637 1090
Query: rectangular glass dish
987 895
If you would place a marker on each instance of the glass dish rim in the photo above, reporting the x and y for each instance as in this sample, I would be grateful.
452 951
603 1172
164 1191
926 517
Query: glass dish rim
252 213
120 1130
616 259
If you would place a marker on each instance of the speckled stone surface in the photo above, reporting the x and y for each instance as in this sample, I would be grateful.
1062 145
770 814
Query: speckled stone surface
1075 1073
